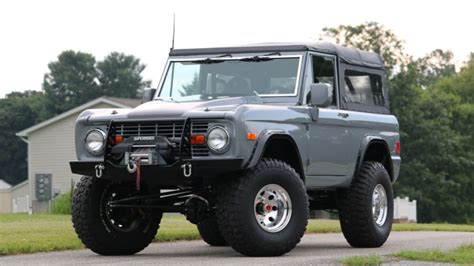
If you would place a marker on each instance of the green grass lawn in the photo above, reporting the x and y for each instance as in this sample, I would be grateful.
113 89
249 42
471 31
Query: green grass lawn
461 255
362 260
22 233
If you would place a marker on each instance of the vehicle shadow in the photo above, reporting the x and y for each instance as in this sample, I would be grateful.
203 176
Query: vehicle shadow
202 250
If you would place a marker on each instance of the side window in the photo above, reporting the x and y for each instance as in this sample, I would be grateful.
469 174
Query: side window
323 72
363 88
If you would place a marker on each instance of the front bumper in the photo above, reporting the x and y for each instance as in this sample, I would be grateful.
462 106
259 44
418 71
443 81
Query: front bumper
202 170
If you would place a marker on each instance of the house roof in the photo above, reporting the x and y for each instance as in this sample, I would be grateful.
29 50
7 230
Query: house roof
4 185
349 55
12 188
116 102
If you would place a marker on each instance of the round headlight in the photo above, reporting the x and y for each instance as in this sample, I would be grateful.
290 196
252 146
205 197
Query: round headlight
218 139
95 141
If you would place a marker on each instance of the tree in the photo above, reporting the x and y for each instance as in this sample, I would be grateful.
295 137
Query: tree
75 78
371 36
435 65
192 88
120 76
18 110
71 81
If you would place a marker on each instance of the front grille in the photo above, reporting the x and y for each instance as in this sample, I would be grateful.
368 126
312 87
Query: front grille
170 129
199 128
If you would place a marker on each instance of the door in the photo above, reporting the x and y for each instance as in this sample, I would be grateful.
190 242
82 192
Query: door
331 153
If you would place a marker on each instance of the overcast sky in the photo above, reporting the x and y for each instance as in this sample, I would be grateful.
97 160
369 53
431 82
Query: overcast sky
33 33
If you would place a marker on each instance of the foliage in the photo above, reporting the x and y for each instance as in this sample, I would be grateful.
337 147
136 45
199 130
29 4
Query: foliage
62 204
191 88
438 63
370 36
461 255
76 78
120 76
71 81
362 260
18 110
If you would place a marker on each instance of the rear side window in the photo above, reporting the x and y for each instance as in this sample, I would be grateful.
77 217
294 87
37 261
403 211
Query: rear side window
363 88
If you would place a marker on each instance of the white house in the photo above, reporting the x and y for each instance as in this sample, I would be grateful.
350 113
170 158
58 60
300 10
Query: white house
51 147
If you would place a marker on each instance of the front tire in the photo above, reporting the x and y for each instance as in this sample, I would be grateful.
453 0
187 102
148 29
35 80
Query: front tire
366 208
265 211
107 231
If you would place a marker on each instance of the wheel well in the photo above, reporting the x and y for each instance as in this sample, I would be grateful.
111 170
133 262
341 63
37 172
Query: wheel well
377 151
285 149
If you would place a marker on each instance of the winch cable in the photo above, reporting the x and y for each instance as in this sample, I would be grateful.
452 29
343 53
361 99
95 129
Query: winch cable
138 175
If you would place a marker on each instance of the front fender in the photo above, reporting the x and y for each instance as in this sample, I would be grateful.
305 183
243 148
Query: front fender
260 146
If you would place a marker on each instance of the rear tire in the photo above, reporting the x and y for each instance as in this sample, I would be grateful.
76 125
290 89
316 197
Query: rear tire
265 211
366 208
109 231
210 233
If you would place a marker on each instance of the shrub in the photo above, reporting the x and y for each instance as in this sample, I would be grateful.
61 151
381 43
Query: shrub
62 204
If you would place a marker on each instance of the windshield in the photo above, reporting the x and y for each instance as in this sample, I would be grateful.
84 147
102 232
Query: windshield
202 80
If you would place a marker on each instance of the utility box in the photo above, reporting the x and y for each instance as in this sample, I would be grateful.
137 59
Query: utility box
404 210
43 186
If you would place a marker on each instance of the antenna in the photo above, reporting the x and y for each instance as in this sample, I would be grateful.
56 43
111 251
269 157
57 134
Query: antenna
174 22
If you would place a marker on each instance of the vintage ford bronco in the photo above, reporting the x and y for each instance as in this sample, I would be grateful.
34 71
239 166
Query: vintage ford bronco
244 141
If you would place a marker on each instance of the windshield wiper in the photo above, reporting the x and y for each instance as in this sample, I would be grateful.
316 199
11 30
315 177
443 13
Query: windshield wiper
210 60
256 59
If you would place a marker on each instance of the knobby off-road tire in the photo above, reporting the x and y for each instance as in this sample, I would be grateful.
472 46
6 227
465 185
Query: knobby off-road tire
356 210
237 209
94 227
210 233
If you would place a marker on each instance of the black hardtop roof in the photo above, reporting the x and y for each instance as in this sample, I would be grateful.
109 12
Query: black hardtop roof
348 55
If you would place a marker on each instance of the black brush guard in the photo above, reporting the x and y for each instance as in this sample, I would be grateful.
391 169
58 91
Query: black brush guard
184 170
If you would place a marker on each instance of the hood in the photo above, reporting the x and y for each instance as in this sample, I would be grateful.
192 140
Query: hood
163 109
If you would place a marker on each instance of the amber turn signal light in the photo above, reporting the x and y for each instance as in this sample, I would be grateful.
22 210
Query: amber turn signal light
251 136
118 139
198 139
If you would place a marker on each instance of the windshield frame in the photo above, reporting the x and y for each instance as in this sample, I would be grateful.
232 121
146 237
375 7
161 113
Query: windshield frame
295 93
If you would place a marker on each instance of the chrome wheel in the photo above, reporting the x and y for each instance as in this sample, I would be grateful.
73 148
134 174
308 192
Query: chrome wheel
273 208
379 205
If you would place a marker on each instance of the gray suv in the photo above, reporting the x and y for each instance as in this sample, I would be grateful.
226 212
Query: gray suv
244 141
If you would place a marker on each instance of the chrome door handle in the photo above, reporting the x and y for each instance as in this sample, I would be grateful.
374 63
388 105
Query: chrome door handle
343 115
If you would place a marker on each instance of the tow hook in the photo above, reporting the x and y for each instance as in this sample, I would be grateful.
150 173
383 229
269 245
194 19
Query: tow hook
132 166
98 170
187 169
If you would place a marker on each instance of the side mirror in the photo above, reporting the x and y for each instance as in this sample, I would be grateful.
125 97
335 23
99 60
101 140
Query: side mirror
148 94
321 94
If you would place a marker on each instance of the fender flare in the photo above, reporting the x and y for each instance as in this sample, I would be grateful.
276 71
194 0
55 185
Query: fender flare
262 143
365 144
